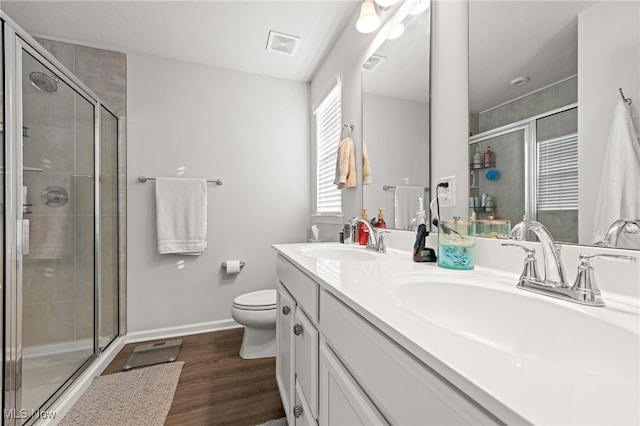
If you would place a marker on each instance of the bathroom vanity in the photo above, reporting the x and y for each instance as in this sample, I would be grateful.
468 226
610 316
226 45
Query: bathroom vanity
369 338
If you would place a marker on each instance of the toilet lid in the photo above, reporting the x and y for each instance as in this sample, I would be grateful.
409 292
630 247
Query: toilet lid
264 299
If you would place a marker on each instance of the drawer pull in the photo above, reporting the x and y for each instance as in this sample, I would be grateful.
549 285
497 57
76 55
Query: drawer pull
297 329
297 411
286 310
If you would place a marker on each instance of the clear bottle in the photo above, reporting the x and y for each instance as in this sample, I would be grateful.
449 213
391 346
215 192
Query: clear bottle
477 159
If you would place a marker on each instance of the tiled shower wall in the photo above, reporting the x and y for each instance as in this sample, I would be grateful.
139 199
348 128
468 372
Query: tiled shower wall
555 96
105 73
563 224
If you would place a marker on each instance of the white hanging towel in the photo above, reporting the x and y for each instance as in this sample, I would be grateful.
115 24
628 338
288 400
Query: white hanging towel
619 194
181 214
407 205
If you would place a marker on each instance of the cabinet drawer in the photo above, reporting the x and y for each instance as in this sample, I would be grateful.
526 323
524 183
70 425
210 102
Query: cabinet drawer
403 389
306 359
303 289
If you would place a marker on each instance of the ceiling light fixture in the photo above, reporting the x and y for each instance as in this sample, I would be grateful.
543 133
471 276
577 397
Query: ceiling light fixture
369 20
397 32
519 81
421 6
386 3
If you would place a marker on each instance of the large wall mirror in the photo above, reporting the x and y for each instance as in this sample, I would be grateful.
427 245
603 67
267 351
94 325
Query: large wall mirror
543 94
396 122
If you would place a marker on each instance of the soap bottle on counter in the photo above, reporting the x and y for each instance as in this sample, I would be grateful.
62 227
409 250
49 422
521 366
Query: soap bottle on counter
380 223
363 231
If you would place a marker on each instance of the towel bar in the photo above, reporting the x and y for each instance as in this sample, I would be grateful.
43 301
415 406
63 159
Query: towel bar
143 179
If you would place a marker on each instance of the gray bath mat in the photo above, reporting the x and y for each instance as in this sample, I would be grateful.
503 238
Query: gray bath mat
153 353
128 398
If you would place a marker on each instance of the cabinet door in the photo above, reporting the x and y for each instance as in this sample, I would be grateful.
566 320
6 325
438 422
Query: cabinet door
306 358
342 401
284 348
302 415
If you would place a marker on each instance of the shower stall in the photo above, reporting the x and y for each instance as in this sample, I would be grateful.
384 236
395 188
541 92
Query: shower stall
59 213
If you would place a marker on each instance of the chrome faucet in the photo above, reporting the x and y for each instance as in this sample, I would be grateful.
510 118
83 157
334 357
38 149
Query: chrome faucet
554 284
375 240
553 270
620 227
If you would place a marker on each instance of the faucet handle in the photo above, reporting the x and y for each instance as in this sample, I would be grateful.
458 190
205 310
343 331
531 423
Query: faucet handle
530 271
586 259
585 285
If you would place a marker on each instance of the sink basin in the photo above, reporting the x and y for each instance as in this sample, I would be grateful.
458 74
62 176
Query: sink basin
339 252
539 329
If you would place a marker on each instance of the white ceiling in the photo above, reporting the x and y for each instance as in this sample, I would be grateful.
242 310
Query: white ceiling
509 39
228 34
404 73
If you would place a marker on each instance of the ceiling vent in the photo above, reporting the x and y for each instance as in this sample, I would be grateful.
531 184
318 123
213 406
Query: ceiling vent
282 43
373 62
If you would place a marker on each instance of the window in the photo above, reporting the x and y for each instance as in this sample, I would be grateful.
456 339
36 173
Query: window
328 127
558 173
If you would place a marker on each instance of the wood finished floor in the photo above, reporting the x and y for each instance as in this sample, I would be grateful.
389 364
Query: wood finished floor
216 386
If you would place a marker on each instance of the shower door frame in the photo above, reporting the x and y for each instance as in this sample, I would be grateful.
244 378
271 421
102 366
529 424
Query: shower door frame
16 41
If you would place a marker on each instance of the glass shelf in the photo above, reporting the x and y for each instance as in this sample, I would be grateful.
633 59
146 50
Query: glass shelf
482 166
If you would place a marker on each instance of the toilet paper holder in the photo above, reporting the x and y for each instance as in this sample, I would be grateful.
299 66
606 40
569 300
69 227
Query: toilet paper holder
224 264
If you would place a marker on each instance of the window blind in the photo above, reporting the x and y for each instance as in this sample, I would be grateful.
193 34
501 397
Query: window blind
558 173
328 126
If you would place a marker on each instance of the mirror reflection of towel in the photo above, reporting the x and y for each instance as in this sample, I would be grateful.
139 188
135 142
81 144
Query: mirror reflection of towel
366 170
407 205
619 194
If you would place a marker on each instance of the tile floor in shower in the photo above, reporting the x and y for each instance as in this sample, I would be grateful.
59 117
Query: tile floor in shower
42 375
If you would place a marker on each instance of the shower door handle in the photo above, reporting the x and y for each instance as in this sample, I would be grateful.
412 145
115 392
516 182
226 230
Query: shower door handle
25 236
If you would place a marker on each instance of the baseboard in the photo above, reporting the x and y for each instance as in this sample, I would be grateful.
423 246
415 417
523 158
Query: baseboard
64 403
181 330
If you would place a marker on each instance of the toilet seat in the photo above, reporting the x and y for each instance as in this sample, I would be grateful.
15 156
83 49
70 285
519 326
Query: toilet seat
262 300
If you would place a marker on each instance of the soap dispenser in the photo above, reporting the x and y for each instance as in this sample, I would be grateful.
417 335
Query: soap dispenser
477 162
380 223
489 158
363 231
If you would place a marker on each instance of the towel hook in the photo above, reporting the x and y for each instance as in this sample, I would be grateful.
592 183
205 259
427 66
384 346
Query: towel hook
348 128
628 101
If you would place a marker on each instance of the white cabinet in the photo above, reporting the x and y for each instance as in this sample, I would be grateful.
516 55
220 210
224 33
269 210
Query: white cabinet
404 390
334 367
342 402
297 344
285 376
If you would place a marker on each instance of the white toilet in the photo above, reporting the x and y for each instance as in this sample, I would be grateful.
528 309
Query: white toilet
257 312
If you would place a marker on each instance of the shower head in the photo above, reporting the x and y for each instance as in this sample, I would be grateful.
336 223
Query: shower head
43 82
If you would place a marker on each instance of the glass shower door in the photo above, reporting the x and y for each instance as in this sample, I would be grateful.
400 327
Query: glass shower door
58 263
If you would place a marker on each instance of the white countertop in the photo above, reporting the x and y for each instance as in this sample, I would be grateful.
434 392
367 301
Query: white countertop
515 387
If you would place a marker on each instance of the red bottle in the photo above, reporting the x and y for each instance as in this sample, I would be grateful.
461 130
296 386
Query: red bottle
489 159
380 223
363 231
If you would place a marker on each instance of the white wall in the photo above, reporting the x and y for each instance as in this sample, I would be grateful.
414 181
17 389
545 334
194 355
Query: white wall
396 135
608 58
450 101
252 132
